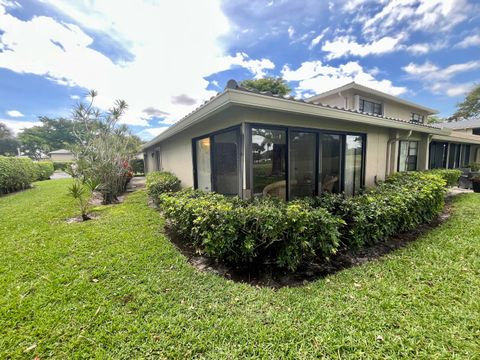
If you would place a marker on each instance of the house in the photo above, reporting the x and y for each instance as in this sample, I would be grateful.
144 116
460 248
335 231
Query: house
61 155
470 126
247 143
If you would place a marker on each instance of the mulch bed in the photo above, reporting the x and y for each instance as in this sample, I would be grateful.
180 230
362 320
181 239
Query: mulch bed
269 276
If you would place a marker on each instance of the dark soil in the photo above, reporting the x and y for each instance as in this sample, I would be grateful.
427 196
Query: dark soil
265 275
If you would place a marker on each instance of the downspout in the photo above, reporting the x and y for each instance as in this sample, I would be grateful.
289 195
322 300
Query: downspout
389 148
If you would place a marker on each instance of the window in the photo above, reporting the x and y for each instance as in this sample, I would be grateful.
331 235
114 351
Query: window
454 156
203 168
417 118
370 107
438 155
353 164
303 150
269 155
407 156
217 162
226 162
465 157
476 131
331 146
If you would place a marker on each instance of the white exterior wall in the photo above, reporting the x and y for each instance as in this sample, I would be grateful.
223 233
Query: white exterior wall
390 108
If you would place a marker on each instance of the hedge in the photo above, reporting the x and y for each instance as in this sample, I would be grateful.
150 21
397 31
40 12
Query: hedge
239 231
403 202
19 173
160 182
62 165
138 166
45 169
451 176
269 230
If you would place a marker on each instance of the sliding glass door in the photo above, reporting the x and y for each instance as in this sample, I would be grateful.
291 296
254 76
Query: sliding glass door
438 155
353 164
331 147
269 162
303 151
217 162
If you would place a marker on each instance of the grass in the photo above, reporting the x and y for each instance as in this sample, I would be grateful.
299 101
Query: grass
116 288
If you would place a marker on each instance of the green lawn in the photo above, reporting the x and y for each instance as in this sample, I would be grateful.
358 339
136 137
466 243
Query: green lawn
116 288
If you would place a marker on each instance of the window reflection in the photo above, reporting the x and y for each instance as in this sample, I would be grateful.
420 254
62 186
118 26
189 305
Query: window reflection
302 164
269 148
353 164
203 164
330 162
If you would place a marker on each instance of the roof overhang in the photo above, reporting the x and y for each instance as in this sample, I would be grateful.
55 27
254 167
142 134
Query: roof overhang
458 138
377 93
254 100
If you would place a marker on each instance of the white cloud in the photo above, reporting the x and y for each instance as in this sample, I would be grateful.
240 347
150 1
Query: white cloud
18 125
472 40
424 15
353 4
316 40
74 97
347 45
314 77
438 80
429 71
170 57
150 133
291 31
14 113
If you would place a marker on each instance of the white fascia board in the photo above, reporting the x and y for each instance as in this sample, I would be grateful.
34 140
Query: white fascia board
280 104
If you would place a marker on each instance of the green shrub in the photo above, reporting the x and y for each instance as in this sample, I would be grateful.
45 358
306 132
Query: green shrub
160 182
403 202
451 176
16 173
45 169
62 165
239 231
474 166
138 166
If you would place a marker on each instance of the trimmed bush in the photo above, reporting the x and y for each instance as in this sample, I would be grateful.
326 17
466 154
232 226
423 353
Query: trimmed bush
62 165
403 202
265 230
474 166
451 176
160 182
16 174
45 169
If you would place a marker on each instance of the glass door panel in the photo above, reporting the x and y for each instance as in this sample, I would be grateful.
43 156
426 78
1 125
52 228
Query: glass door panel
330 163
353 164
303 148
204 173
226 162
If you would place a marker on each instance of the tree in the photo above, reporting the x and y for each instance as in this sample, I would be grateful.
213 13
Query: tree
433 119
103 148
274 85
470 107
52 134
8 143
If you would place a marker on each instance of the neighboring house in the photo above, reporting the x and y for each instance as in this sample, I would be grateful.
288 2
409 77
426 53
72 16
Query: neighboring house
247 143
61 155
469 127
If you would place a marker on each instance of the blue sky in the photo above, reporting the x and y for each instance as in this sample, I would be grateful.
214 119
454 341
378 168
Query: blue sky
166 57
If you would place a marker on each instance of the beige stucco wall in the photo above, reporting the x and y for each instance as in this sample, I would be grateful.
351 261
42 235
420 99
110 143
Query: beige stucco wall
61 157
390 108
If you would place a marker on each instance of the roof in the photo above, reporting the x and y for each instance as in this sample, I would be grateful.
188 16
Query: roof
463 124
60 151
237 95
355 86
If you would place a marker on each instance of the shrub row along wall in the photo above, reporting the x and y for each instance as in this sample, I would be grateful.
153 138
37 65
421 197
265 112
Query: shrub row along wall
268 230
19 173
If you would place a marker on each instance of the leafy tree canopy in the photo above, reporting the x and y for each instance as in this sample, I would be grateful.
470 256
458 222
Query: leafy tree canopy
274 85
470 107
433 119
8 143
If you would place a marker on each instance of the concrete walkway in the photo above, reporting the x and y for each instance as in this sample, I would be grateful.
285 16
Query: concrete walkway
60 175
137 182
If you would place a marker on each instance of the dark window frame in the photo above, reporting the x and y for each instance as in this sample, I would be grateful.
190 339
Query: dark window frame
238 129
361 106
408 155
289 129
421 118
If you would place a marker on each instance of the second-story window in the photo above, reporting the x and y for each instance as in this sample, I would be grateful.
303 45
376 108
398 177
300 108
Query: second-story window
417 118
370 107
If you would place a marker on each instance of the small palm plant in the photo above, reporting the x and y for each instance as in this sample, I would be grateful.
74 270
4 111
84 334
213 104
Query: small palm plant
82 192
